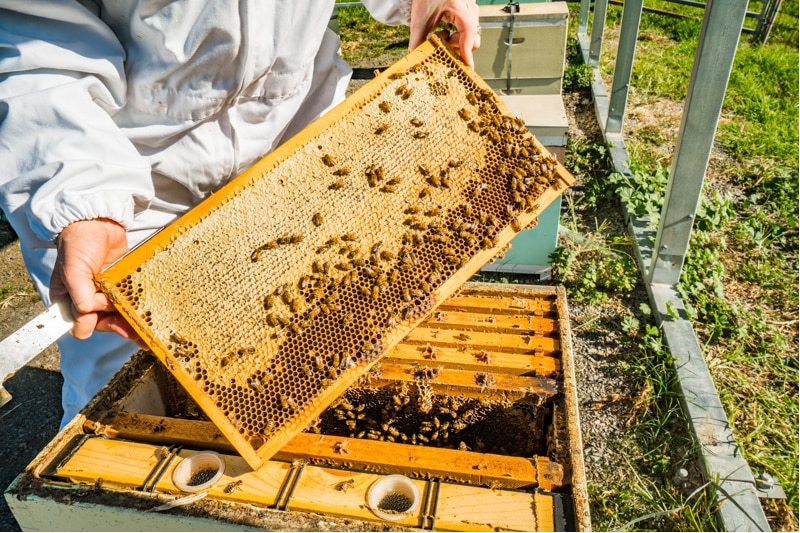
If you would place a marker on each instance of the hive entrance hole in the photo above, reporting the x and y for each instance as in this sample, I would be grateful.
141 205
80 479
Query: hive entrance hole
396 502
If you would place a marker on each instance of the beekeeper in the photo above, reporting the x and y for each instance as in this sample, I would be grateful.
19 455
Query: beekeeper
118 116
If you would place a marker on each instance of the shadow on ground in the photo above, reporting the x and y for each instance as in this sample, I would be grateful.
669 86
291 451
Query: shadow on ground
27 424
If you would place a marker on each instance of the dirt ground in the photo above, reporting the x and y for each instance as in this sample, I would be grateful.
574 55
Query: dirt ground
31 420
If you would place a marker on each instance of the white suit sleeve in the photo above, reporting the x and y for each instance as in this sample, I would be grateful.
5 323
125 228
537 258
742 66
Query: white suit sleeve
390 12
64 159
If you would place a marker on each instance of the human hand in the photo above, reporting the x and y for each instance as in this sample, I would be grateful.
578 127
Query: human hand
463 14
86 247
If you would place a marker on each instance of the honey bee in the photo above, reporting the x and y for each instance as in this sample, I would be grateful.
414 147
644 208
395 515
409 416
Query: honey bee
387 188
474 126
307 371
462 337
232 486
178 338
416 122
328 160
317 219
484 357
401 89
424 169
425 191
485 379
380 129
255 384
376 292
256 255
464 113
385 107
454 163
338 184
341 448
342 171
349 237
515 225
419 134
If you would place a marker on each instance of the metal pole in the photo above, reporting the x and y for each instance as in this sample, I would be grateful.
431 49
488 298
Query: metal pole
629 31
598 25
716 48
583 17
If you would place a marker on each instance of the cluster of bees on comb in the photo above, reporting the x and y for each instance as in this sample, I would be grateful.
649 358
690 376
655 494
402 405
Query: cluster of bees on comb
412 414
334 318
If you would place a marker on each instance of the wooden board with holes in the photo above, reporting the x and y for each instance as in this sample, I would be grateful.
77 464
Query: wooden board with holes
280 290
315 489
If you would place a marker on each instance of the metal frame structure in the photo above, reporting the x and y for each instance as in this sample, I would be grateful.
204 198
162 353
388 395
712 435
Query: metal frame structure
661 251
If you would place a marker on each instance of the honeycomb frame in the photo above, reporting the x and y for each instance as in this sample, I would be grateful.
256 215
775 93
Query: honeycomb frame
276 293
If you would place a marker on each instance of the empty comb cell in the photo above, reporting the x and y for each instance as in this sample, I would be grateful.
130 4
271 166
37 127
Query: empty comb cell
274 295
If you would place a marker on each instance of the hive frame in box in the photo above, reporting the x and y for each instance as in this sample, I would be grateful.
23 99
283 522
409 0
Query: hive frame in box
530 325
275 294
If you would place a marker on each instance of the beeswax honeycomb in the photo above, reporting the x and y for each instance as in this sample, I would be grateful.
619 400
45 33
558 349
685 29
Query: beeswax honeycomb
275 294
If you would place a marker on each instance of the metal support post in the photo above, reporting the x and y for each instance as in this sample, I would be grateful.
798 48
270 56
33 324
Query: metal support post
716 48
583 17
629 31
598 25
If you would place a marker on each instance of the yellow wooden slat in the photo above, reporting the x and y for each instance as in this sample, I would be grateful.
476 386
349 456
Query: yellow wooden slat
483 341
474 360
504 386
516 323
501 304
360 454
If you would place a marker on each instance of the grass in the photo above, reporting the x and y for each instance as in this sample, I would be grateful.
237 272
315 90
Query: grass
740 277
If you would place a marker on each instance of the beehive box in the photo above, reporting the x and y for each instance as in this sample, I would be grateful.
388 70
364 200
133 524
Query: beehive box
277 293
477 407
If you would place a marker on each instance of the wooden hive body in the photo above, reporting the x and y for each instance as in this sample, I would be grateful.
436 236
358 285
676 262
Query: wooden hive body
476 406
273 296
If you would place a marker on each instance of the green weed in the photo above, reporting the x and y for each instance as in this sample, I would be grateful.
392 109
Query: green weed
578 77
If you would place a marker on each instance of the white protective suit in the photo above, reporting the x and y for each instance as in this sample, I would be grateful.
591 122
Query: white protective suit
136 110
